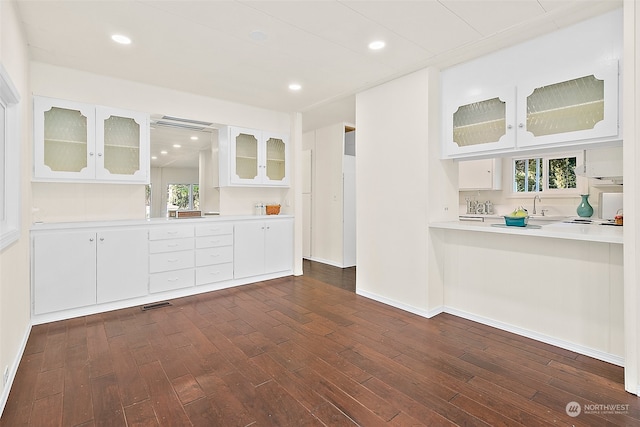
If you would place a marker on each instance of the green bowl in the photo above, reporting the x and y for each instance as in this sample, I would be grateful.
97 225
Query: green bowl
516 221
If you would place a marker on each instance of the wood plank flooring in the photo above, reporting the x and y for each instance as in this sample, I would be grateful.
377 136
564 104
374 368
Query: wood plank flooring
300 351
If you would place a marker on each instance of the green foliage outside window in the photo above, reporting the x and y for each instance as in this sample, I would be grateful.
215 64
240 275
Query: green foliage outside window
183 196
561 173
529 174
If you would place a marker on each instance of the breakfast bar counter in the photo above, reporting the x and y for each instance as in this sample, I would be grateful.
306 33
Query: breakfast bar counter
553 281
595 232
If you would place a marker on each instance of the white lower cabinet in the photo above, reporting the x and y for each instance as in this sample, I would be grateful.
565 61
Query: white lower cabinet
122 265
88 269
263 247
170 280
77 269
171 258
214 253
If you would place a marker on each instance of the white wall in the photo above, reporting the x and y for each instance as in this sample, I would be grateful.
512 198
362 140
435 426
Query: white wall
14 260
326 144
631 136
401 183
339 111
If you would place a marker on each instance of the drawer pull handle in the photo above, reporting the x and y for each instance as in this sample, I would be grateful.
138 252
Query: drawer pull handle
214 255
172 232
173 245
215 241
215 273
172 279
172 260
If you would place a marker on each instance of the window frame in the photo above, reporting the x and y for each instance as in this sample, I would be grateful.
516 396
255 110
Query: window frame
10 167
191 195
581 182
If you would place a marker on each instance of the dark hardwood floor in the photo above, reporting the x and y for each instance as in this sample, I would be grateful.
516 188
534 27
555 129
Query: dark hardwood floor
298 351
344 278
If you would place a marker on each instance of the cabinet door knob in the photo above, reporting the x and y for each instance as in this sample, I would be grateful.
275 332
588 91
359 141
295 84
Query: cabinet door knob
509 126
99 154
102 239
91 239
521 125
91 153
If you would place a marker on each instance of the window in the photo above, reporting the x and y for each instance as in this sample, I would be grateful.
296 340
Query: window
183 197
552 174
147 200
9 161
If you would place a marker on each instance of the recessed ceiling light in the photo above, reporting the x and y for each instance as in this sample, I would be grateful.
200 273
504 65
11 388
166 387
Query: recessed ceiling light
154 157
194 138
295 86
164 152
376 45
177 145
119 38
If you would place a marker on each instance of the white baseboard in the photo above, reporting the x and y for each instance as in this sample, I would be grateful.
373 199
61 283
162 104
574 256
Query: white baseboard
567 345
415 310
13 370
326 261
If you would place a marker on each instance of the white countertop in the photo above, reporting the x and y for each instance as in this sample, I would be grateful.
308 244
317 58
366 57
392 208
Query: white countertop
549 229
39 226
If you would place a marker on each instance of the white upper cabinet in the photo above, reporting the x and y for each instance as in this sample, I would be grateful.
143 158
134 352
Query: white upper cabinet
76 142
481 122
558 90
250 157
483 174
575 104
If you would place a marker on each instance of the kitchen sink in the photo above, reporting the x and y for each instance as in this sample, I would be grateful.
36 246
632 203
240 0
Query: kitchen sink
547 218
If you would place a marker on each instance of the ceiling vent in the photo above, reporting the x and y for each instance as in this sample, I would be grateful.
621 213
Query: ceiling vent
176 122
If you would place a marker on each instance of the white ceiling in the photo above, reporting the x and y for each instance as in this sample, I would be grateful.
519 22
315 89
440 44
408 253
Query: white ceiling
205 46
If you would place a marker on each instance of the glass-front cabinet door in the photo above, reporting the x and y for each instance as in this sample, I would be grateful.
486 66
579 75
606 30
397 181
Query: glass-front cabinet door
479 123
88 143
257 158
579 103
121 139
64 139
275 159
245 168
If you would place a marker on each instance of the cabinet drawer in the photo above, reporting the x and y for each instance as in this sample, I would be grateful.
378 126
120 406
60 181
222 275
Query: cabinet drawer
214 273
161 233
214 241
214 256
170 280
214 229
170 261
170 245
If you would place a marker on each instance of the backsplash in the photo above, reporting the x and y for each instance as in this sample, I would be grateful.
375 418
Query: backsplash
503 202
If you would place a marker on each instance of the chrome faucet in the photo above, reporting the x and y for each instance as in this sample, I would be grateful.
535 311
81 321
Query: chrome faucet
534 202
